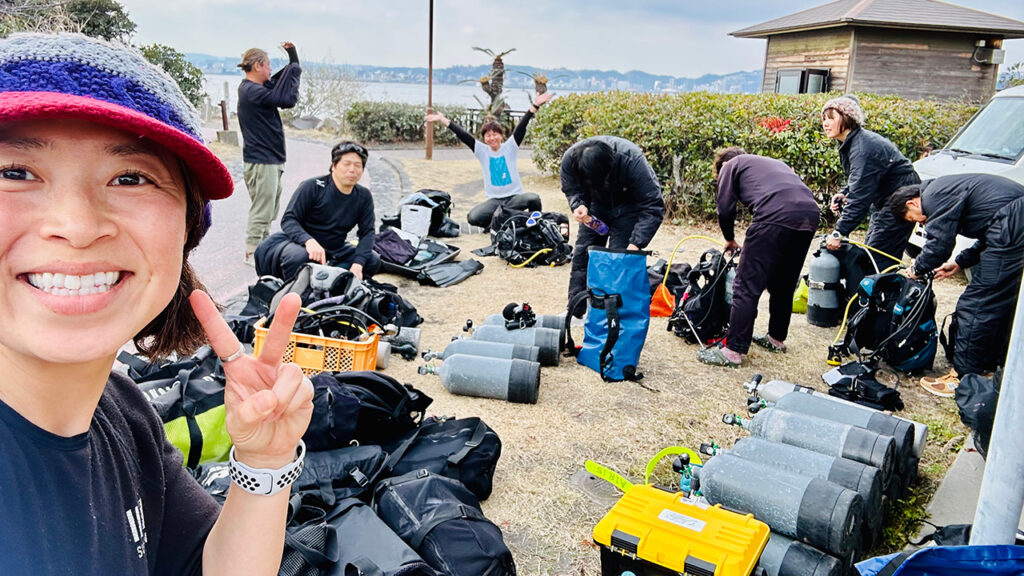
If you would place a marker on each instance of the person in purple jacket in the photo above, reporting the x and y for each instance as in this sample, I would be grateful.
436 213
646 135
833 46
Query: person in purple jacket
105 187
785 217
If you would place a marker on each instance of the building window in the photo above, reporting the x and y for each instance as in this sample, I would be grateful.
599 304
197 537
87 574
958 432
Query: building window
801 80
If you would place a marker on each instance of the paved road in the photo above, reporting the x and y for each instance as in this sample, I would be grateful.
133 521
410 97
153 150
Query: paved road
218 260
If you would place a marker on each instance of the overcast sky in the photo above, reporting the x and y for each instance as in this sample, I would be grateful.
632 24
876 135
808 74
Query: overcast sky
685 38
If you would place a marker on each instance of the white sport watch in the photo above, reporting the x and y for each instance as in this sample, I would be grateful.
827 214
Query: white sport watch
264 481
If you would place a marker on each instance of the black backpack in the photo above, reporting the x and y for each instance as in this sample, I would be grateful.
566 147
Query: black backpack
364 406
976 399
440 204
702 313
894 318
531 239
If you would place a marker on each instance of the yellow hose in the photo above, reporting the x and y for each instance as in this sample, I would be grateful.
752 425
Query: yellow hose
538 253
664 279
866 247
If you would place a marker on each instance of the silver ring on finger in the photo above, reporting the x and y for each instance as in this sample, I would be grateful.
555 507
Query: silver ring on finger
235 356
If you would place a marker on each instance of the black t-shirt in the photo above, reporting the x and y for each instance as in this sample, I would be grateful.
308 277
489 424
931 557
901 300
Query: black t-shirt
770 189
319 210
113 500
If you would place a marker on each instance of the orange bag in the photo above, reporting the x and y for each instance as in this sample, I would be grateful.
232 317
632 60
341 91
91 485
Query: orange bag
663 303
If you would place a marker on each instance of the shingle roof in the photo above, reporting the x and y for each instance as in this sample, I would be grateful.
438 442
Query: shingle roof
914 14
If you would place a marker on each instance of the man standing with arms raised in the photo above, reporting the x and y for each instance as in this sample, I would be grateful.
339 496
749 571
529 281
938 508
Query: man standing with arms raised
263 152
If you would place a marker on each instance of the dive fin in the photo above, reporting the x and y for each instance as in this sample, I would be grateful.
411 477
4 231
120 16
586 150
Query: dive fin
449 273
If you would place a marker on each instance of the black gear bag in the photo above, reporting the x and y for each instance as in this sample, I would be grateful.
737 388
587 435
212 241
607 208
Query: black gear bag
702 313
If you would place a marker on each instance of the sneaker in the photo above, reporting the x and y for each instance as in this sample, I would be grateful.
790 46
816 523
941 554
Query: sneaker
944 386
249 259
765 342
715 357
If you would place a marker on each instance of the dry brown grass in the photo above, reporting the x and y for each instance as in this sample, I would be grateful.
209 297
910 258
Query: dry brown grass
546 522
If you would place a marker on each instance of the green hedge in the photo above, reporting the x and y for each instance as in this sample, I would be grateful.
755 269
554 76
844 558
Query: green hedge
389 122
694 125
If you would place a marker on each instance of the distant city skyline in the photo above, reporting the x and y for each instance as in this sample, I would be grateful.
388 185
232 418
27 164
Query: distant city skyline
681 38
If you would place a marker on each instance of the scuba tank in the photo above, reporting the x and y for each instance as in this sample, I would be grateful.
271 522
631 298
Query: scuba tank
811 510
823 308
383 354
773 390
730 279
512 380
406 341
823 436
783 556
851 475
547 339
555 321
488 349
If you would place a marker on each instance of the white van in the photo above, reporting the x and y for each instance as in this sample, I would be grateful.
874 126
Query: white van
992 142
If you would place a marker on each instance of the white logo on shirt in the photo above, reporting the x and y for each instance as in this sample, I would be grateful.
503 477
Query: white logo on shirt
137 524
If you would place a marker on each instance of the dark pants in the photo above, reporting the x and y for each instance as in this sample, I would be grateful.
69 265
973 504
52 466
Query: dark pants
279 256
985 310
772 259
620 227
481 214
888 234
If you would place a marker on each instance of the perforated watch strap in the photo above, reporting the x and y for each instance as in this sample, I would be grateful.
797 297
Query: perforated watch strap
264 481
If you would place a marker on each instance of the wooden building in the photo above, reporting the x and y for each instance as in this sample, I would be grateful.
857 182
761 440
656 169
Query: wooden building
913 48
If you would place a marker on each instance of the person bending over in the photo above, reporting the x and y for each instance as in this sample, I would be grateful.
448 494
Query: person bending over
875 168
785 219
608 178
989 209
105 187
320 216
498 159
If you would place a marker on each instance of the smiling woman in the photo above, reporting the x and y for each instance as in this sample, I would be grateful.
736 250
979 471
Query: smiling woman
104 191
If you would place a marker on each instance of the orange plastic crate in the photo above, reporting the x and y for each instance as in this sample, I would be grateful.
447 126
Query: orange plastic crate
315 354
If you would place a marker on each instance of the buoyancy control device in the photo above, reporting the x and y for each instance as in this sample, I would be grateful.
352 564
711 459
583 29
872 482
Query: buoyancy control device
702 313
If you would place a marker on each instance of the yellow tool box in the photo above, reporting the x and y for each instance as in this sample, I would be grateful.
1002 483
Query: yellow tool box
651 532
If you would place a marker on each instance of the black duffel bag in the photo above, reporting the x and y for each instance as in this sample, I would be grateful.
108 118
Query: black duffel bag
345 540
340 474
441 520
466 450
365 406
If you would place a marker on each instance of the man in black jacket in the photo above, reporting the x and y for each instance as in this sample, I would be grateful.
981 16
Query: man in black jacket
263 153
785 219
989 209
322 212
607 179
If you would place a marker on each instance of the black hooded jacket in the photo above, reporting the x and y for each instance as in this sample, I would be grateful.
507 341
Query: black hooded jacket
875 168
631 181
962 204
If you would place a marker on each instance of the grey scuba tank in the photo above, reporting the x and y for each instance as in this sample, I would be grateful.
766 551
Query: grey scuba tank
488 349
851 475
901 430
547 339
773 390
783 556
822 436
483 377
812 510
556 321
823 306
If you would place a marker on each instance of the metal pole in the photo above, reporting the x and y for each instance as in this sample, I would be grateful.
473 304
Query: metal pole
224 114
430 85
1002 486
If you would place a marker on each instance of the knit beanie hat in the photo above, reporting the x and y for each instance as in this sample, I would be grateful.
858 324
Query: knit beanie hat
71 76
848 105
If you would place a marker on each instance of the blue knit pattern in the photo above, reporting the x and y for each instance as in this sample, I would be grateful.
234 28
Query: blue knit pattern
81 66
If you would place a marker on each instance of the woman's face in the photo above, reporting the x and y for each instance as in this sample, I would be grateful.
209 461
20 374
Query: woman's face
92 232
494 139
832 122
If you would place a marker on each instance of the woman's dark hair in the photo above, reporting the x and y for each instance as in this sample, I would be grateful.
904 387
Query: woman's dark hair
176 328
845 122
898 201
592 163
347 146
492 126
723 155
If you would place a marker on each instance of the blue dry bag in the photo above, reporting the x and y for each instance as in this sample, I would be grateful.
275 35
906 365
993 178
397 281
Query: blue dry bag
618 313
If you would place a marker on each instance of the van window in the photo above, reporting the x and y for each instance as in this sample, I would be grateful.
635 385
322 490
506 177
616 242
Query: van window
996 132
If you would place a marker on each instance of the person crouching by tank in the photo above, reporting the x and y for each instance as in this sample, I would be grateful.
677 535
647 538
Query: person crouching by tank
105 188
875 168
989 209
785 217
319 218
498 159
608 180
